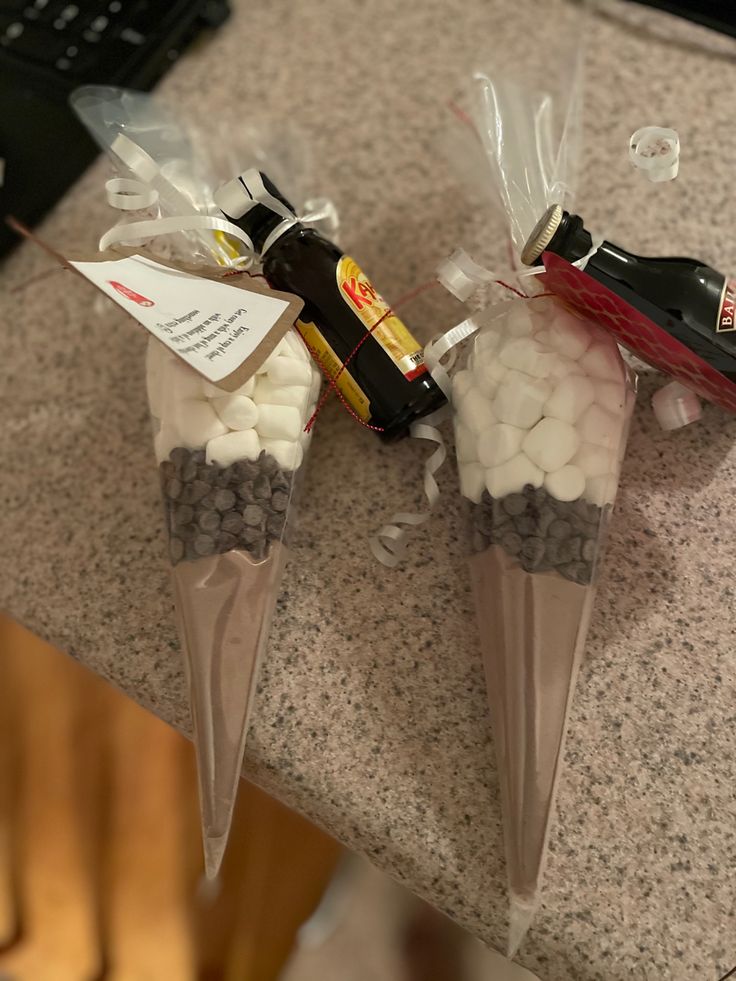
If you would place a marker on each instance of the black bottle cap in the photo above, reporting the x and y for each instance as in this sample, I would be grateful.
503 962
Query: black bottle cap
239 200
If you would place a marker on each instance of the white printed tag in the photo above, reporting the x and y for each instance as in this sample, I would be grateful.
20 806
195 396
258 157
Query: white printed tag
213 326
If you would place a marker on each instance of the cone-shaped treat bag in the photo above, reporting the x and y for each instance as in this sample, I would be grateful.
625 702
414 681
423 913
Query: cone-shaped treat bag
541 414
229 455
228 463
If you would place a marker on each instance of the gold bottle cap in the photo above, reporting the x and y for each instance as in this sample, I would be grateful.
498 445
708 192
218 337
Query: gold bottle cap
542 235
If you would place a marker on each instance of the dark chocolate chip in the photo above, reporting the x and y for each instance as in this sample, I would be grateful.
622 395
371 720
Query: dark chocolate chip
589 549
245 492
232 523
183 515
514 504
197 491
526 525
511 542
262 487
173 488
199 456
279 500
532 553
189 471
280 481
226 541
267 463
179 456
246 470
251 535
225 500
188 533
253 515
209 521
483 521
559 529
275 524
578 572
574 547
204 545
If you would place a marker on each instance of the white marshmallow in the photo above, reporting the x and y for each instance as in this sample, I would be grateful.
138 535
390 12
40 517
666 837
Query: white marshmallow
566 484
179 381
279 421
518 322
475 411
232 447
287 454
462 382
526 355
602 360
592 460
487 341
465 444
154 376
601 490
513 476
195 423
316 384
599 427
499 443
489 373
164 442
519 399
266 392
567 335
551 444
289 371
236 411
611 395
293 340
562 367
213 392
570 399
472 481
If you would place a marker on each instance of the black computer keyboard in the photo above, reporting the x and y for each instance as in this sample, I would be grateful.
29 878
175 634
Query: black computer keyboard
47 49
84 41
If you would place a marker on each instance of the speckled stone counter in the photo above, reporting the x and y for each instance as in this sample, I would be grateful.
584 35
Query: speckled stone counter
371 716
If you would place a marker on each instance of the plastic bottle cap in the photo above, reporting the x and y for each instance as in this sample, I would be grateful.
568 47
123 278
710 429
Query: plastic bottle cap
676 406
655 151
233 199
135 157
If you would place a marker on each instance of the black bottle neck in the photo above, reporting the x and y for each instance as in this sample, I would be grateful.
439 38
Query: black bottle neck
571 239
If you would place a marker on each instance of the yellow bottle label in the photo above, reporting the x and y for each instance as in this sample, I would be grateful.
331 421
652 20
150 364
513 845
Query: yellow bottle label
331 364
370 307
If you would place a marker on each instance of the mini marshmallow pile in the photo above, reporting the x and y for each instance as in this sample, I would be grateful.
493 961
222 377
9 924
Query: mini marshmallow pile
543 401
268 412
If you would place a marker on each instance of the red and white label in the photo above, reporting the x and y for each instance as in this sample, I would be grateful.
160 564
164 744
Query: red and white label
726 320
130 294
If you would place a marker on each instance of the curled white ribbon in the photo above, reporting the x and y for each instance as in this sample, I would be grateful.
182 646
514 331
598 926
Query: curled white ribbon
389 544
129 195
153 227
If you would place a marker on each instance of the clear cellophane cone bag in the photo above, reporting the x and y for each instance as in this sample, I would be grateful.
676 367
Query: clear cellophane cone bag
229 465
541 413
229 461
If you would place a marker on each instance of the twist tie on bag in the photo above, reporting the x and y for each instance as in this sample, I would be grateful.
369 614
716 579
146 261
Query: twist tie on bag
655 151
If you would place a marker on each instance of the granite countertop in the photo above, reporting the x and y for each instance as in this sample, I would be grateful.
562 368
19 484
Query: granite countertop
371 715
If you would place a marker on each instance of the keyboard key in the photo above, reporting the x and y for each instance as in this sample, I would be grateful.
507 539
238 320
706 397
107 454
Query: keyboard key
33 43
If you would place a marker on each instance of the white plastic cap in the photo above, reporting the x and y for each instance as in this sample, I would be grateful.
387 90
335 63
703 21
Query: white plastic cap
233 199
135 157
676 406
655 151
